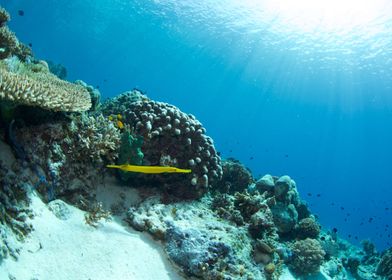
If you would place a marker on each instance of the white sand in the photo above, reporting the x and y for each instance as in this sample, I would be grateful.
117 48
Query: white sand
70 249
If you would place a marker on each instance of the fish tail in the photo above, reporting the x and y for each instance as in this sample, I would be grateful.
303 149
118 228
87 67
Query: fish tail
178 170
113 166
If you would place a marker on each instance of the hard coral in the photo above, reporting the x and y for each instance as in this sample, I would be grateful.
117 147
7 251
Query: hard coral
13 202
307 256
236 177
308 227
70 153
384 267
4 16
9 44
171 137
29 85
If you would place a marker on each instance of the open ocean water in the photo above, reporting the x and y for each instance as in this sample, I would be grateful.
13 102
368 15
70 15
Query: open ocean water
286 87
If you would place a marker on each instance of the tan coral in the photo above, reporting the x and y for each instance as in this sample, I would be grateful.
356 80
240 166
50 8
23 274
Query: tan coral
44 90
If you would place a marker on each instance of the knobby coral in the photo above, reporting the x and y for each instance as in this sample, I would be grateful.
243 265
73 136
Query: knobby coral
170 138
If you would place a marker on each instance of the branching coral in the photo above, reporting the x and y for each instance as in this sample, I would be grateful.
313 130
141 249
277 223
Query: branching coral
95 214
4 16
9 44
36 86
173 138
71 153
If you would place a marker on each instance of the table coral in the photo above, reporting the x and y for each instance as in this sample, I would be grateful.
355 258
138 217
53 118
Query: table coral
34 85
170 138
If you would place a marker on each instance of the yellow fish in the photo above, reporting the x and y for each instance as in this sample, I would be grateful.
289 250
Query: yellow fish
149 169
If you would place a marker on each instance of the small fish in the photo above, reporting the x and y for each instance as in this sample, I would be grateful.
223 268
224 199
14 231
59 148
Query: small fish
149 169
120 124
21 13
30 45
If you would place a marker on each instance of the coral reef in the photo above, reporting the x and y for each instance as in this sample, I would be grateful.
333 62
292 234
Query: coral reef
170 137
307 256
9 44
14 207
34 85
4 16
236 177
308 227
201 243
14 201
57 69
384 267
69 154
95 214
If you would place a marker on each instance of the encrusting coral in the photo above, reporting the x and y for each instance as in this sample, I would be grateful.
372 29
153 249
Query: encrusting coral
34 85
170 138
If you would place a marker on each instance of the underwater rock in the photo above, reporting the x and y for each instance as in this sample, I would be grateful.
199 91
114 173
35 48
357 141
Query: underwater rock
307 256
285 217
95 95
265 183
236 177
60 209
170 137
57 69
191 249
197 239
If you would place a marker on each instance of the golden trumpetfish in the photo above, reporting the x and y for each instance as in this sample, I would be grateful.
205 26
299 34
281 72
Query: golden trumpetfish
149 169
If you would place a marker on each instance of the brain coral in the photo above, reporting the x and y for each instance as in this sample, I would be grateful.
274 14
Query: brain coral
170 137
308 255
36 86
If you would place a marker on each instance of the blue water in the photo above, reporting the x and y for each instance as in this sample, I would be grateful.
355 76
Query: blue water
283 94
